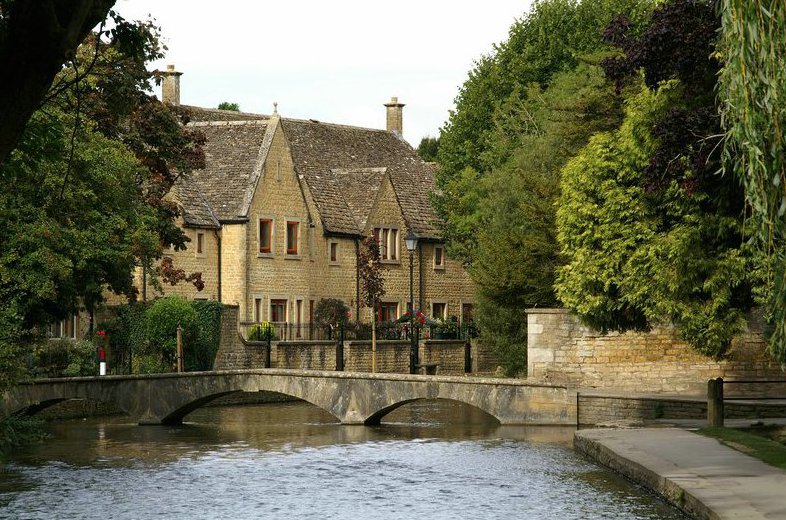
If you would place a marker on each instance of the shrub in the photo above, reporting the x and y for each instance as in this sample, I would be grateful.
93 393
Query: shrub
162 320
261 332
203 352
64 358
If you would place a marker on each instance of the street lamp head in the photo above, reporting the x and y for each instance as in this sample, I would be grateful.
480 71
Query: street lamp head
411 240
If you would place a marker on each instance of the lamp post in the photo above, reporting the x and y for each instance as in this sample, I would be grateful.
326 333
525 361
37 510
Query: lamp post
411 240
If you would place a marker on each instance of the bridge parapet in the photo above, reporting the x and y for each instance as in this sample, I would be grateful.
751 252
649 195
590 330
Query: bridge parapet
353 398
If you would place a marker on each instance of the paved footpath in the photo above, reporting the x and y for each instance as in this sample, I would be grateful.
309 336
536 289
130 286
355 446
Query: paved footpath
698 474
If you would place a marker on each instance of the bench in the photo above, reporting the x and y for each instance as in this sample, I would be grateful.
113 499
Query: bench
429 369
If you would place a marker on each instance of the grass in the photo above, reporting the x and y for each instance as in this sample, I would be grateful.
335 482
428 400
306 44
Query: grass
754 444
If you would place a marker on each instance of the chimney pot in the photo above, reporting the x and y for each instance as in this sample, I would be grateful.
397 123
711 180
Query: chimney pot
395 116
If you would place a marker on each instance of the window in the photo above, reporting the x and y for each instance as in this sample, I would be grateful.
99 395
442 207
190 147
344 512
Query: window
388 311
466 313
278 311
298 317
66 328
200 243
333 252
438 310
265 235
292 237
387 238
439 257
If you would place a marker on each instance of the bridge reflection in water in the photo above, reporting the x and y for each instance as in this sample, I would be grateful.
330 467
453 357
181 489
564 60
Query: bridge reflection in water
352 398
430 459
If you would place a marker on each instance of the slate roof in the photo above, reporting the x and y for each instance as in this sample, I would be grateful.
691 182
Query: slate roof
196 210
319 150
342 167
232 158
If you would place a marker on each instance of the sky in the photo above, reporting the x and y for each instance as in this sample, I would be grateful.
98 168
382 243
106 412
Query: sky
335 61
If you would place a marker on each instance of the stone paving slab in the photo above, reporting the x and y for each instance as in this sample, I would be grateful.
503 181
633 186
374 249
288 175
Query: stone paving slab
698 474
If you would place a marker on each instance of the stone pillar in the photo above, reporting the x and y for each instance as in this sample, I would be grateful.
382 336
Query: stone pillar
170 86
395 117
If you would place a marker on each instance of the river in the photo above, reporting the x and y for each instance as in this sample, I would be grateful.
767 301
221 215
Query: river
428 460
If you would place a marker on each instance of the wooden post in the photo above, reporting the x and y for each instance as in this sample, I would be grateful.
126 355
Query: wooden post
179 349
715 403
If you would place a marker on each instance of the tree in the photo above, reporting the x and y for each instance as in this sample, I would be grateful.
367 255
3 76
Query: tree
36 38
372 286
428 148
752 87
651 233
492 111
226 105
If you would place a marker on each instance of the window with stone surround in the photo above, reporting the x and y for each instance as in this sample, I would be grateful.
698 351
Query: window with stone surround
200 244
293 237
439 310
278 311
65 329
439 257
388 311
257 310
387 238
265 235
333 252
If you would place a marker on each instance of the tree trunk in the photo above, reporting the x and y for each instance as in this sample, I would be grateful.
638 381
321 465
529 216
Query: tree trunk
39 36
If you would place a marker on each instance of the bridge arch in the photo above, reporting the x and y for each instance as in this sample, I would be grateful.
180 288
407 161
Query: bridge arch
352 398
376 418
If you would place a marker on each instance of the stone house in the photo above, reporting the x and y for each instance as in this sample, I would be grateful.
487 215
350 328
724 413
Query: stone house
277 216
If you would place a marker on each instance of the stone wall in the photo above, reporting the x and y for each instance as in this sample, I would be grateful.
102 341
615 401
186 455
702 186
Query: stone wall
234 353
305 355
562 351
484 359
392 356
448 354
610 410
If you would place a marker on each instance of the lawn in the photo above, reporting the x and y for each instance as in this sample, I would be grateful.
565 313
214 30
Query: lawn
767 443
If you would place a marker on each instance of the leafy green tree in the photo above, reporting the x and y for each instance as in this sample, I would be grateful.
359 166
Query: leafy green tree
226 105
428 148
492 110
637 257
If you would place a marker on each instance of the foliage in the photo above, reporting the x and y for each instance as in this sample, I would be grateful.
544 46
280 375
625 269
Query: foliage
163 318
17 431
504 329
261 332
127 332
226 105
492 108
428 148
637 257
752 86
202 353
372 283
65 358
330 312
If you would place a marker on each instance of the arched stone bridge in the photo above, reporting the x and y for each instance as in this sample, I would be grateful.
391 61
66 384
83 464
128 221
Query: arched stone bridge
353 398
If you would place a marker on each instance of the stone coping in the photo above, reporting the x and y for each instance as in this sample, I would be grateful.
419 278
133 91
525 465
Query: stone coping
387 376
697 474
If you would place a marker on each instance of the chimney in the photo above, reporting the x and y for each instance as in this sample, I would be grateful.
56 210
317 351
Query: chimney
395 116
170 86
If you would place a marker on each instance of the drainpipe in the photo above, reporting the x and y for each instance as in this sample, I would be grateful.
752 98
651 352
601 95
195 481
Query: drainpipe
420 276
357 280
218 248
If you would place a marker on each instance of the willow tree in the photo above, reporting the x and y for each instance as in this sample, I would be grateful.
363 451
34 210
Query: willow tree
752 87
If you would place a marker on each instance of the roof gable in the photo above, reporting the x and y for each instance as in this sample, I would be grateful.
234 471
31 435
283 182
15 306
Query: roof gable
233 152
321 150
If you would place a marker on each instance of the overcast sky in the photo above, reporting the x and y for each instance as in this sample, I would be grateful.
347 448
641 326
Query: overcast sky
336 61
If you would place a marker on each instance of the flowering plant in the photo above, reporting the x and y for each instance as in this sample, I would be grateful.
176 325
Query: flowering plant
102 339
